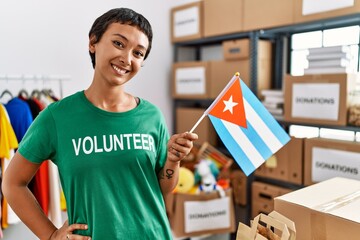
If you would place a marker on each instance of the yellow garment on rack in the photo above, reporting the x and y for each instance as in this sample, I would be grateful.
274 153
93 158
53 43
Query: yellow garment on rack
8 142
8 138
62 201
4 212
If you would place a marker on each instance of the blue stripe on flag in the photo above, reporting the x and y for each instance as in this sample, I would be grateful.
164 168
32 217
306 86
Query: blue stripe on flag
240 157
257 141
264 114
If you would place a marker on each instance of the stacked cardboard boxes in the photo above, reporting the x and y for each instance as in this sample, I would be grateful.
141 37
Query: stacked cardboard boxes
203 19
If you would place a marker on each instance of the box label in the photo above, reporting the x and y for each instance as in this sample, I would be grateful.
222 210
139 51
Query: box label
207 215
316 101
190 80
186 22
328 163
318 6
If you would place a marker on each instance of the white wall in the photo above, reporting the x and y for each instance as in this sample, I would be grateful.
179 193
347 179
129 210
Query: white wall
51 38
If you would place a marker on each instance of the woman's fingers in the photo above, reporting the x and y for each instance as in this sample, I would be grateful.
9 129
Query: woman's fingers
66 232
181 144
77 226
76 237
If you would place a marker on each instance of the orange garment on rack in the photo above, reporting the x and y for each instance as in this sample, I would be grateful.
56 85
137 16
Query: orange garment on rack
40 183
41 186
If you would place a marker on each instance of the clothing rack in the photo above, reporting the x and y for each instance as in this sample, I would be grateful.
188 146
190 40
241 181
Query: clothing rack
37 77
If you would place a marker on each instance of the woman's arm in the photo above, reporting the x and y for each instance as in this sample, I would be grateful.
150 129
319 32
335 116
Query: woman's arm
179 146
14 186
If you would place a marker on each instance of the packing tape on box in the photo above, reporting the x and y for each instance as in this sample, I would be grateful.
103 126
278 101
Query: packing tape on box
338 202
318 220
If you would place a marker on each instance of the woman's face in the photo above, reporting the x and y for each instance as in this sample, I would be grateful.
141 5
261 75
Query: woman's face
119 54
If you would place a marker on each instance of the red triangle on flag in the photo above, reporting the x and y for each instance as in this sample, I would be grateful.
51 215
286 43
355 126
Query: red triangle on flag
230 107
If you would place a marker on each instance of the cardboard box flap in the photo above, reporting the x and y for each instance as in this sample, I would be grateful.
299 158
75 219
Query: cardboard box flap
344 195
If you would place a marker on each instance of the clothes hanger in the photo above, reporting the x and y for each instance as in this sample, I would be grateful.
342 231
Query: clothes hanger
35 94
23 93
6 92
47 92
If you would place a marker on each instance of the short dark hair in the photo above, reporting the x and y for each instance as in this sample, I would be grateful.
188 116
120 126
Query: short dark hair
123 16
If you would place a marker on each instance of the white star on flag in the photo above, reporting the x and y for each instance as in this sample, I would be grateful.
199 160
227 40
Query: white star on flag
229 105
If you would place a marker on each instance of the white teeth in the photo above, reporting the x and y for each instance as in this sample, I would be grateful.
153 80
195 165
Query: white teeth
120 71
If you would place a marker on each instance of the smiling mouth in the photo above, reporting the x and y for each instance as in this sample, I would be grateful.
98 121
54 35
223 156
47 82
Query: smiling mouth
119 70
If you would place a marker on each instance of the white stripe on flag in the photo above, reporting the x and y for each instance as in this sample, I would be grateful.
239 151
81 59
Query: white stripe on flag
261 128
244 143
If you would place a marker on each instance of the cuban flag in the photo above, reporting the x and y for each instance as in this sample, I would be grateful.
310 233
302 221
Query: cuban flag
250 133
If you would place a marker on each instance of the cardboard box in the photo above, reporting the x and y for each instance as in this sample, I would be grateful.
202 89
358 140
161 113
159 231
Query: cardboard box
205 80
309 10
238 182
263 195
287 164
196 215
318 99
327 210
222 17
187 117
327 158
187 22
238 49
259 14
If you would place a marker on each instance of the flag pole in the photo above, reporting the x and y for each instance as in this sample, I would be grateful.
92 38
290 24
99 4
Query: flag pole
198 122
228 85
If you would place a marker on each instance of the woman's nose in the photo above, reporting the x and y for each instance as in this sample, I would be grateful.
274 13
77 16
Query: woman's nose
125 57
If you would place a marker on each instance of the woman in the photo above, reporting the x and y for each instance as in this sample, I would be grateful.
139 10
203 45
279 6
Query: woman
115 158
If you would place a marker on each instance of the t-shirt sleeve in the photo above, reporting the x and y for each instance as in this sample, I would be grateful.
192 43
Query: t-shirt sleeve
163 140
40 139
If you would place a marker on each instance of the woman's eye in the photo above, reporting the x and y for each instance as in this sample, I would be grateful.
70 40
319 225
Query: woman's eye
139 54
117 43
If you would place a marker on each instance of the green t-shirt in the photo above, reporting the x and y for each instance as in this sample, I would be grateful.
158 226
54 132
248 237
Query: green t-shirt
108 164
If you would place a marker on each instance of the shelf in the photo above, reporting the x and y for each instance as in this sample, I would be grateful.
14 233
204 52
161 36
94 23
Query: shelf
280 37
204 103
277 182
343 21
212 40
348 128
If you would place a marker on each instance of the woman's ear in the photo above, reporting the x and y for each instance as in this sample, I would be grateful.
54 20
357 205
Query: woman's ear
92 41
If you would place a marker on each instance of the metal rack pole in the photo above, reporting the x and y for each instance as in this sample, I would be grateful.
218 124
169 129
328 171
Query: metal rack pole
35 77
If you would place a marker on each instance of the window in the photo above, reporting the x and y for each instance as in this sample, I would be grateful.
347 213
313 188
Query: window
302 42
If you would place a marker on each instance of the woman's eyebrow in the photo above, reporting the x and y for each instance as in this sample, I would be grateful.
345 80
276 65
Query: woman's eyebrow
122 36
